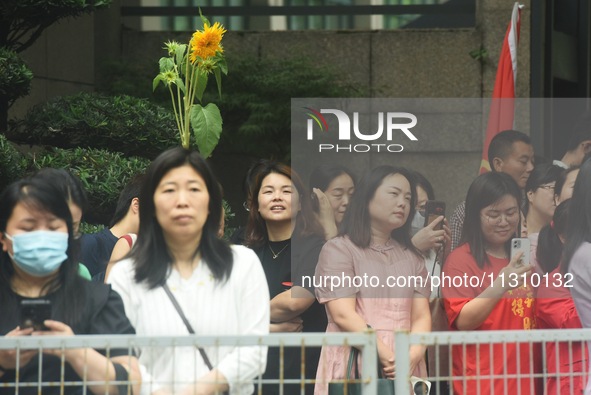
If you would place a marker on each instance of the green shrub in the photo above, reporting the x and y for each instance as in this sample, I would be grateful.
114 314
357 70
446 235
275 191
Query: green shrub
86 228
12 163
124 124
16 76
256 103
103 174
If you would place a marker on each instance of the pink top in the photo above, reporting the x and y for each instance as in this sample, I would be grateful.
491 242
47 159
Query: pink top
382 298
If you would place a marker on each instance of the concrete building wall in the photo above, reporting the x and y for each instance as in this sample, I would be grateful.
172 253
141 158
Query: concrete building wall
402 63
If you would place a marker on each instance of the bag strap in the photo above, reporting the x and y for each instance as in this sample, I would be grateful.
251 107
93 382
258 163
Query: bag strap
353 363
179 310
122 375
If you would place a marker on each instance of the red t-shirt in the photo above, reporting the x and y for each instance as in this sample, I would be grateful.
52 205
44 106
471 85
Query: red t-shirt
474 366
555 309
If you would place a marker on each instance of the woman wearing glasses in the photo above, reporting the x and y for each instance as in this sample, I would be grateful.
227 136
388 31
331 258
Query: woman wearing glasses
539 197
492 294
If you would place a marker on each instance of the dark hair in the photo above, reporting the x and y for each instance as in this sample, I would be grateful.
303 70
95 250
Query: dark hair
561 180
502 144
581 132
485 190
306 222
324 174
578 228
249 178
39 193
357 221
422 182
549 249
540 175
150 253
129 192
69 185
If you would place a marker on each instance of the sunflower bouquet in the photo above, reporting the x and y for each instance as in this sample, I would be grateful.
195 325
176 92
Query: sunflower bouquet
185 73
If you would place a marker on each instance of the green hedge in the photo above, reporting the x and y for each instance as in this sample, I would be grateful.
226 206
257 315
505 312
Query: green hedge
16 76
103 174
12 163
132 126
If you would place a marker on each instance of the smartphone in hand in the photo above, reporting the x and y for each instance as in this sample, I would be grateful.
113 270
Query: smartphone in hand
433 210
521 244
33 312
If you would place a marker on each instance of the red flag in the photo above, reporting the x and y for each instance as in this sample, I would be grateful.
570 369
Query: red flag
502 108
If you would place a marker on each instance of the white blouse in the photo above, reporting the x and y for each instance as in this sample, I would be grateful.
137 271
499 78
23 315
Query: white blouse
239 306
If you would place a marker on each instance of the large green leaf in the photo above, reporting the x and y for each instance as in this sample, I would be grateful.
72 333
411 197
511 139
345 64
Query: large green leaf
201 80
207 127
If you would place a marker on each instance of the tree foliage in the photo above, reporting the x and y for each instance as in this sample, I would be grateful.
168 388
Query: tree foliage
23 21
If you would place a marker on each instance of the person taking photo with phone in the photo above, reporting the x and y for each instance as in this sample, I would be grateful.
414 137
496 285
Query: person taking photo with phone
39 271
501 301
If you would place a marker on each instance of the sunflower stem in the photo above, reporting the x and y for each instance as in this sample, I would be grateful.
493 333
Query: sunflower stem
176 114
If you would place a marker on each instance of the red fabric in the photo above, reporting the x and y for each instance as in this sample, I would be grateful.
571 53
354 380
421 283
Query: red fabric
555 309
502 109
515 311
128 239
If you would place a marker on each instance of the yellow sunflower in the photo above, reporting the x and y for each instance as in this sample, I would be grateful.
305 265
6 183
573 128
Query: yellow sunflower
206 43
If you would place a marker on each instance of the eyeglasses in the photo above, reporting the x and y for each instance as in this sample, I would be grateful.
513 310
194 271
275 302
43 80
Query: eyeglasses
496 219
547 186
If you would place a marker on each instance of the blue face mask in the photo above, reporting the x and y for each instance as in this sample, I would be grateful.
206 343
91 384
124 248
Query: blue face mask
40 252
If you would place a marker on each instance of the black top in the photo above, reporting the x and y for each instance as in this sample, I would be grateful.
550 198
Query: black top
103 314
96 249
294 259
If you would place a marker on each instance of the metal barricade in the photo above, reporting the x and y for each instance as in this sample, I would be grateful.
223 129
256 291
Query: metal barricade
364 341
567 348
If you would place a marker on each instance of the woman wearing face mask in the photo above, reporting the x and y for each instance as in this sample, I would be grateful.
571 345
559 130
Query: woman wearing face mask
492 218
36 264
70 187
332 187
434 243
427 236
374 243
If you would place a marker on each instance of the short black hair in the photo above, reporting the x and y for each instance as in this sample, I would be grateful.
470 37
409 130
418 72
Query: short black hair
549 249
129 192
422 182
581 132
324 174
69 185
502 144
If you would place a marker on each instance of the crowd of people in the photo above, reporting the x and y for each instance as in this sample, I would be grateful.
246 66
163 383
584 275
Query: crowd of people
162 268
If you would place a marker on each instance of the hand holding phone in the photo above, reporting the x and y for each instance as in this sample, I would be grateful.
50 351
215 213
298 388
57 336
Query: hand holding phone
433 210
34 312
521 244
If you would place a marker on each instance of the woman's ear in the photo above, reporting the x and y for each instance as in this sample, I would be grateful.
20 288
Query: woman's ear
4 241
135 205
530 196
